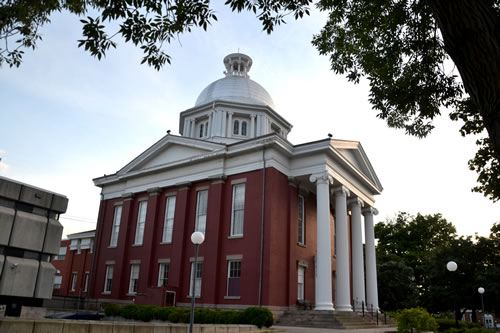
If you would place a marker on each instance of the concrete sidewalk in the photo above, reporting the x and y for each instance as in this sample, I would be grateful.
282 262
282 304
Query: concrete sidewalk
288 329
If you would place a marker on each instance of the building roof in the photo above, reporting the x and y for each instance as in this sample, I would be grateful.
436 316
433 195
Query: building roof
237 85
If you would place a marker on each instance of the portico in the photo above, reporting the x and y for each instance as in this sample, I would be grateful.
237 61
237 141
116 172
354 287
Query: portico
326 188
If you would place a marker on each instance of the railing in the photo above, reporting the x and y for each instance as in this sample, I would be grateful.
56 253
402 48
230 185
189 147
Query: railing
368 311
74 303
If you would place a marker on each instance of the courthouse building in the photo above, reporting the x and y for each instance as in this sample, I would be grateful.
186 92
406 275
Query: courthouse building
282 222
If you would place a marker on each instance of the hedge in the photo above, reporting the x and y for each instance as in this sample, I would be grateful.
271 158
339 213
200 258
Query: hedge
253 315
447 324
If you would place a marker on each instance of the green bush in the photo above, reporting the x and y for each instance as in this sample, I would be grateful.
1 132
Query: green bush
161 313
129 311
228 317
204 316
446 324
415 318
257 316
145 313
467 330
112 310
179 315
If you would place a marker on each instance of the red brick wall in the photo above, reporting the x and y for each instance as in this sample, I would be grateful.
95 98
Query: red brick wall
281 250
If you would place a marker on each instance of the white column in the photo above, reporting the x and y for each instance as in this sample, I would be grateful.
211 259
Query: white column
210 122
371 266
342 279
224 123
192 129
358 271
252 126
324 246
230 132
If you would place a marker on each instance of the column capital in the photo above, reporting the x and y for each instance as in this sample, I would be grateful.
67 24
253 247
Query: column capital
341 190
370 211
355 201
253 116
321 178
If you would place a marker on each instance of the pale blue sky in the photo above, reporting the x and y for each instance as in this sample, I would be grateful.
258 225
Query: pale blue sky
66 118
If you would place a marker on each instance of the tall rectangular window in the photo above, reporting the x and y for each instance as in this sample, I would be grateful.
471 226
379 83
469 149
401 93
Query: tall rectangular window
301 225
134 278
300 283
233 278
57 281
201 211
199 273
168 223
141 221
86 284
73 281
163 274
109 278
116 226
238 210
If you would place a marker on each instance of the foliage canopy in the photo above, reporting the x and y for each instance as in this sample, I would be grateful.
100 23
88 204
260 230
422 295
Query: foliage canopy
402 47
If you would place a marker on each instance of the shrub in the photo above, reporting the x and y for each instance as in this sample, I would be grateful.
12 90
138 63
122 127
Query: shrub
257 316
179 315
145 312
161 313
416 318
467 330
446 324
112 310
204 316
228 317
129 311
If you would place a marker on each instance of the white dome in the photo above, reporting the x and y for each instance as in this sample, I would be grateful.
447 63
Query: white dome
236 86
235 89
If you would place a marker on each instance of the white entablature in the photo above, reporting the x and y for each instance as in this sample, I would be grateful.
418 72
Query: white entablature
233 108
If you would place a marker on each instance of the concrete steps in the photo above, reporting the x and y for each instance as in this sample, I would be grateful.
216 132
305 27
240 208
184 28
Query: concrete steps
325 319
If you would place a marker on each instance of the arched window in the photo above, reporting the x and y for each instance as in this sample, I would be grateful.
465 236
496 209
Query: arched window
244 128
206 129
236 127
201 130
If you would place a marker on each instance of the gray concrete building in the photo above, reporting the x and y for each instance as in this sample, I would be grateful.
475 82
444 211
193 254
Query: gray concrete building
29 234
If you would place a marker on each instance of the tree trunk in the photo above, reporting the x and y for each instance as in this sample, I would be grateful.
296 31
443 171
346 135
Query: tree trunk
471 34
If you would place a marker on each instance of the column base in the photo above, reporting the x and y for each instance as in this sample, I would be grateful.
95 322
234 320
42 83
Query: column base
344 308
324 307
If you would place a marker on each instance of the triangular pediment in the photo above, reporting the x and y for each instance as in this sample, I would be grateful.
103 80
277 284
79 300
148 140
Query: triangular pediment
353 152
170 150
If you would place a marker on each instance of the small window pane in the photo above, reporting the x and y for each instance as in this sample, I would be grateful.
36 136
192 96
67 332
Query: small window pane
236 127
244 128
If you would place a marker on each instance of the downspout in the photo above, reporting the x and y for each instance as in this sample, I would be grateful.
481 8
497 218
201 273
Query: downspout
262 223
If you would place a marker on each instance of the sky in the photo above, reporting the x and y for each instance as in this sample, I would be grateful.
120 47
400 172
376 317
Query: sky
66 118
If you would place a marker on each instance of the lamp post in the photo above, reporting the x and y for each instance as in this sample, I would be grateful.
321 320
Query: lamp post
480 290
452 266
196 238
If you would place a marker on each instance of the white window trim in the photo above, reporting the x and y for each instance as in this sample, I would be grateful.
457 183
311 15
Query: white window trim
168 222
198 285
232 232
108 266
74 280
139 237
198 215
299 268
113 241
166 265
133 277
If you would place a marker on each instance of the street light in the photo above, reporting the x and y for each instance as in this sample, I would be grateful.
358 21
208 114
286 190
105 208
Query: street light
196 238
480 290
452 266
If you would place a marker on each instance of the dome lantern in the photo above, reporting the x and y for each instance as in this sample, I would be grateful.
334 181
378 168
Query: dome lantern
237 64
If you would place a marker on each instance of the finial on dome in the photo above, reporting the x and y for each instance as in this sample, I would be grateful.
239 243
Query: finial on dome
237 64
